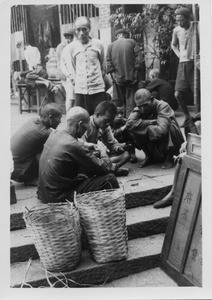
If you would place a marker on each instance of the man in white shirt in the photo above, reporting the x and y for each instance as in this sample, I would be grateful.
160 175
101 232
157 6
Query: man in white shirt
86 67
32 56
62 57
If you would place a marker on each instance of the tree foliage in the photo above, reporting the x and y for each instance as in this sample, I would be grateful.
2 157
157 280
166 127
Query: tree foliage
157 17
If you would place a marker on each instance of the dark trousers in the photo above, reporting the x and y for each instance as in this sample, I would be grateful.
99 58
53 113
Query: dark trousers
98 183
125 92
90 102
156 149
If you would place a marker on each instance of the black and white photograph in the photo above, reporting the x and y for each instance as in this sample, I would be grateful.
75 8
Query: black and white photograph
108 113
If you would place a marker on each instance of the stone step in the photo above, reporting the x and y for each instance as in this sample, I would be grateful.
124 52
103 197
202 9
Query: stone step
150 278
143 254
141 222
139 191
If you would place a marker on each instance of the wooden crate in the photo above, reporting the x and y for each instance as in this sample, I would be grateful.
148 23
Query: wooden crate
194 145
181 256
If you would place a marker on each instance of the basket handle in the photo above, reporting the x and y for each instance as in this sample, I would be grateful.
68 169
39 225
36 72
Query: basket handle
71 203
27 209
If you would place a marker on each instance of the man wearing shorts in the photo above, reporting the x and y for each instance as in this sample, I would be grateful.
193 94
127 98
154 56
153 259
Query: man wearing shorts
181 45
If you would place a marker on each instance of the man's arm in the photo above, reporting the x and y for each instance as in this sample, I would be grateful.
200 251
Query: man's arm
70 63
102 59
136 124
137 56
27 59
110 141
175 43
63 64
162 126
109 64
92 164
38 56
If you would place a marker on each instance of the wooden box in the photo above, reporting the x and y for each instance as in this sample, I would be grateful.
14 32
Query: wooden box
194 145
181 256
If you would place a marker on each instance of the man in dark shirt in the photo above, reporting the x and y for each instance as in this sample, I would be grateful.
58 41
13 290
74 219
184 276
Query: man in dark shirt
161 89
27 143
155 129
63 158
123 61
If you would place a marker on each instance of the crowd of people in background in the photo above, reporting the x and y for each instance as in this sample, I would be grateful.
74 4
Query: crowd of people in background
103 130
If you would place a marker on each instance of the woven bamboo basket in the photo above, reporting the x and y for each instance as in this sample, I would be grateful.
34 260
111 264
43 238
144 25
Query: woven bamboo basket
103 219
56 232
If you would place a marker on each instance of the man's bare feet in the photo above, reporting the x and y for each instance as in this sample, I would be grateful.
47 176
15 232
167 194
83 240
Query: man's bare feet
133 158
168 164
147 161
166 201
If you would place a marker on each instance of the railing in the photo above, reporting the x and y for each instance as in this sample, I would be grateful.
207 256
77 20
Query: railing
70 12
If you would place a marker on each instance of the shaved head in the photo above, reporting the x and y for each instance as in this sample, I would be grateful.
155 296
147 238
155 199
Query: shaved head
77 121
83 22
144 101
143 95
78 113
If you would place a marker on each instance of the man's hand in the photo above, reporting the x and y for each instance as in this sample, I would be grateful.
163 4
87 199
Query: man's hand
183 147
121 148
91 146
123 128
102 149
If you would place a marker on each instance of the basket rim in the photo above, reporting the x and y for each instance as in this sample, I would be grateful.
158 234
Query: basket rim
49 208
102 191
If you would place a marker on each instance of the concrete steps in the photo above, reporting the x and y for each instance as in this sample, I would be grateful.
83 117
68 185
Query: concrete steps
150 278
146 227
141 222
137 193
143 254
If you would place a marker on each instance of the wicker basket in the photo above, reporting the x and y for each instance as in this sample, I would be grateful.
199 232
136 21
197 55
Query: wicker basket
56 232
103 219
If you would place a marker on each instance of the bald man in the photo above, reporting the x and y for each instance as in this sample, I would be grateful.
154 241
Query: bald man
155 129
64 156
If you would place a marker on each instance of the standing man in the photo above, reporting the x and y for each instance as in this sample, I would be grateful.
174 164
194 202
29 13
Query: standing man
32 56
85 67
122 60
181 40
63 72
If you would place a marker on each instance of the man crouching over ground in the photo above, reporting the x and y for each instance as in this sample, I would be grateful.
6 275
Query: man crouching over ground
63 157
155 129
